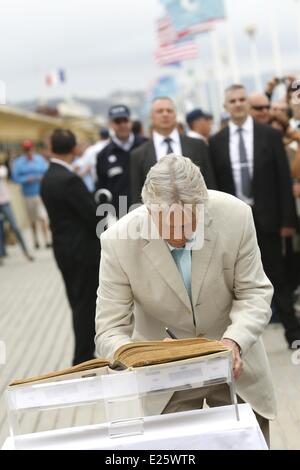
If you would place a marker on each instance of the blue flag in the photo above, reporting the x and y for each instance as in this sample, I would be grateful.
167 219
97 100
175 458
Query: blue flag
187 13
165 86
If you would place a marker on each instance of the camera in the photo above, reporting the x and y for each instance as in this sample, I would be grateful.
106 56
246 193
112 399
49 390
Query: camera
280 80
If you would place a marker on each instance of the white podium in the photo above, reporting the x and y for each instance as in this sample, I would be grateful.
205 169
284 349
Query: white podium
208 429
133 401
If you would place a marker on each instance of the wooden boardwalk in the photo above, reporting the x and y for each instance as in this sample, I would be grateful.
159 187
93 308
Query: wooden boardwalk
35 324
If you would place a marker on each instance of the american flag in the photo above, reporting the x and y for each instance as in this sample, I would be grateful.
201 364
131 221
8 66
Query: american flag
166 33
177 52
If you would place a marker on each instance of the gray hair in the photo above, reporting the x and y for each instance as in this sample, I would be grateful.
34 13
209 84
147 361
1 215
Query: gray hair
174 180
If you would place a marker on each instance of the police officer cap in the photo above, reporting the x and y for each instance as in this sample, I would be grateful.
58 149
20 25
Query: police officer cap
119 112
197 114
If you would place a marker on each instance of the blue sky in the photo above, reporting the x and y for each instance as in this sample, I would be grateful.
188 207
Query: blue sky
108 44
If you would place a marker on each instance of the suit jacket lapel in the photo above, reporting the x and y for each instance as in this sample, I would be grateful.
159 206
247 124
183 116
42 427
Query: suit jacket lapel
161 258
226 167
201 259
185 147
258 145
151 156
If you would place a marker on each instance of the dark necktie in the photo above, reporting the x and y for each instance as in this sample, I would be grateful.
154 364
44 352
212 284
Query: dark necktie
168 141
245 171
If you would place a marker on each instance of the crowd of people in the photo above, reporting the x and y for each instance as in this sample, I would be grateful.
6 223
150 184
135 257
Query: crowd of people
255 156
247 177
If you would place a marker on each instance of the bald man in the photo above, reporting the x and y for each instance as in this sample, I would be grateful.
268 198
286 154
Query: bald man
260 108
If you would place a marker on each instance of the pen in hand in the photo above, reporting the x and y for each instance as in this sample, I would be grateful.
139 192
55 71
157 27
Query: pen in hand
169 333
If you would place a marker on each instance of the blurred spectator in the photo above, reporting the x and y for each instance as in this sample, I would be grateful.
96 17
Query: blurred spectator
113 162
250 163
200 124
72 213
260 108
181 128
7 213
138 129
2 250
295 110
280 109
28 171
88 160
272 84
291 251
84 169
224 121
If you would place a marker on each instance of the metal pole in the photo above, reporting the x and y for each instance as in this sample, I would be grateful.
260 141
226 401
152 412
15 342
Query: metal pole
275 43
232 48
251 31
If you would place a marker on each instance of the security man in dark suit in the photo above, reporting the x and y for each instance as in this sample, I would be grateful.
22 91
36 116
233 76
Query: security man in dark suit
113 162
250 162
72 214
166 140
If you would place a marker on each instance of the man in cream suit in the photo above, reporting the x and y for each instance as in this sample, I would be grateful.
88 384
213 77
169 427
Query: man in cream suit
200 274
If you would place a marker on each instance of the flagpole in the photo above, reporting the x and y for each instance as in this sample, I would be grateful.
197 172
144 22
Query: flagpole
251 32
297 2
218 66
275 43
231 46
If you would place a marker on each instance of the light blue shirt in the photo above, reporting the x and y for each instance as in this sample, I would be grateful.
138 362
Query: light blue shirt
29 172
183 261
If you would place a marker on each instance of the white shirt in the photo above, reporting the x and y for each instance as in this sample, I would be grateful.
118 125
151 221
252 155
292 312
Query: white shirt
196 135
248 135
161 147
62 163
89 158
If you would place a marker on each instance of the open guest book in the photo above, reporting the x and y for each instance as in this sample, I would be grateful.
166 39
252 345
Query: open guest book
136 355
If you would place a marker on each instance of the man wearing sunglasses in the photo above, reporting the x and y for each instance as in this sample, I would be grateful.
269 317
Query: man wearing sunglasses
260 108
250 162
113 161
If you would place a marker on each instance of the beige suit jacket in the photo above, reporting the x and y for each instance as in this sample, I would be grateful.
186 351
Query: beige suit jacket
141 291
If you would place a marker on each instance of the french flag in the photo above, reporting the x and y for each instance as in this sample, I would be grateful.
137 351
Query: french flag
55 77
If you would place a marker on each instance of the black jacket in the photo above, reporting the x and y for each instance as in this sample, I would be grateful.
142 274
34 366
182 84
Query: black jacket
143 158
72 214
274 205
113 170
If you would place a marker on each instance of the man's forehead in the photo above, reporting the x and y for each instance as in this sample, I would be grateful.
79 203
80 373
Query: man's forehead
234 94
163 103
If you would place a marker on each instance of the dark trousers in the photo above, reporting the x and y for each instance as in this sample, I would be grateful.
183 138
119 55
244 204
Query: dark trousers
81 282
273 263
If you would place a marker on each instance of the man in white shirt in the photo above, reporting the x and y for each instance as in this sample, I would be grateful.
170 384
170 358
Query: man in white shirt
250 162
166 140
200 125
